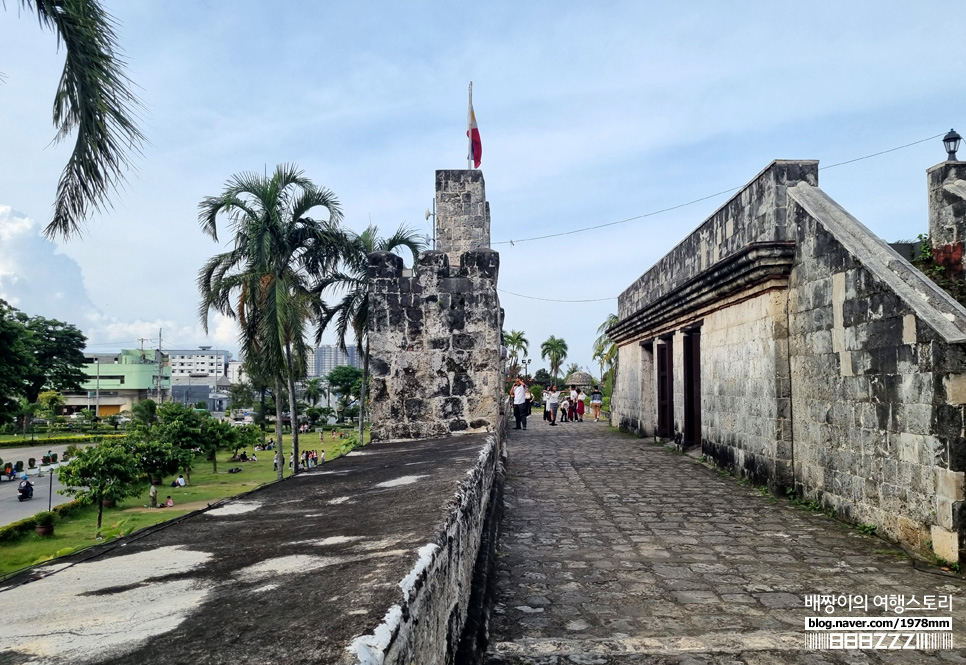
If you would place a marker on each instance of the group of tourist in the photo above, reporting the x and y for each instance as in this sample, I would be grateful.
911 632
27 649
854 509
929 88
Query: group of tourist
570 406
311 458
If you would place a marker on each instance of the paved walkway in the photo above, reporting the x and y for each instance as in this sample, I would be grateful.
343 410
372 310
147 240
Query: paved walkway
615 550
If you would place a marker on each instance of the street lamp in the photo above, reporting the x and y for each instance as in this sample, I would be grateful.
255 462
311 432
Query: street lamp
951 143
526 363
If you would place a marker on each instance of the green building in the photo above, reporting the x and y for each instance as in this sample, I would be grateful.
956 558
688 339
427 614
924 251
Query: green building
118 381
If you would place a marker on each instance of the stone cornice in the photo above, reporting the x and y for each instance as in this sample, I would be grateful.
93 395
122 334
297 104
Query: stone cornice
756 263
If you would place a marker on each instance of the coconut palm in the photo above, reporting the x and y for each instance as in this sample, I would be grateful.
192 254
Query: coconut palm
351 313
313 391
605 349
516 342
554 351
265 280
94 98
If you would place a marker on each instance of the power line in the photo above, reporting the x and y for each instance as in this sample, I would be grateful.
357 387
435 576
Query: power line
683 205
520 295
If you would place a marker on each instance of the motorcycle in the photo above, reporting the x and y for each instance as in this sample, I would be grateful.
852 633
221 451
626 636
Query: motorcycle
25 491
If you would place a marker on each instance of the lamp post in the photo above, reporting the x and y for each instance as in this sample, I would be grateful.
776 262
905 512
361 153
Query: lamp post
951 143
526 364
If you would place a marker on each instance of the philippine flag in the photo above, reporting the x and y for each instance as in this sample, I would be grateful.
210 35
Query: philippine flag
476 147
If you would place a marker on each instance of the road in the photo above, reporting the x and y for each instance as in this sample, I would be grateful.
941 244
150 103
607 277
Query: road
12 510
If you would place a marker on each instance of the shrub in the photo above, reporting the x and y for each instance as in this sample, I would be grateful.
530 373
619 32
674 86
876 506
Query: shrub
45 518
53 458
31 462
15 530
18 467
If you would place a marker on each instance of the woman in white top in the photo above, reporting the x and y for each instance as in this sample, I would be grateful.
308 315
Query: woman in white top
553 401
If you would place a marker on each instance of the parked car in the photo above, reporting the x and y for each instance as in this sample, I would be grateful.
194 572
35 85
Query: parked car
39 421
123 420
76 416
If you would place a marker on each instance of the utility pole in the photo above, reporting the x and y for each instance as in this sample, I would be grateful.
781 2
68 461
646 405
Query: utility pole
160 394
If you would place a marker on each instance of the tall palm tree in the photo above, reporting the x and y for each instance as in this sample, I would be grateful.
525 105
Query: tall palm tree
554 351
265 280
94 98
516 342
605 349
352 311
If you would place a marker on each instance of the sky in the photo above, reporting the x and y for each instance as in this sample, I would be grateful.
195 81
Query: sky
589 113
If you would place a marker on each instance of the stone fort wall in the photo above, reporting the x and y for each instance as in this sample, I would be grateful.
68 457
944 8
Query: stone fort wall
827 364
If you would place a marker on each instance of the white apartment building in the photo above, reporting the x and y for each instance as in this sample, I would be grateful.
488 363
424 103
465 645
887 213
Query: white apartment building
236 372
311 364
188 365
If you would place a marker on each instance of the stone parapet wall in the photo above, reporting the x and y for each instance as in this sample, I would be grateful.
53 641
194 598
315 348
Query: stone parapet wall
434 341
755 214
443 611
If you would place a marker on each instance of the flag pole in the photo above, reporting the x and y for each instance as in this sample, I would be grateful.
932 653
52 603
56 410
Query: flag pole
469 130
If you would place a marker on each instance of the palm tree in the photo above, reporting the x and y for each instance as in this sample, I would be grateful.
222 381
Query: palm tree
554 351
94 98
313 391
605 349
352 311
265 280
516 342
572 368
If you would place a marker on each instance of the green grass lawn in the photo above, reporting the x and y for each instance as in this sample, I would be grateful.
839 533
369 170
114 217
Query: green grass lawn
79 529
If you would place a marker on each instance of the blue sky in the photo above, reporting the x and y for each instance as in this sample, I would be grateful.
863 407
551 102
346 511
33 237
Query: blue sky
589 113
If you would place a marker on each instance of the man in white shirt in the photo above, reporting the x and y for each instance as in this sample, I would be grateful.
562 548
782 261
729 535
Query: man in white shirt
519 392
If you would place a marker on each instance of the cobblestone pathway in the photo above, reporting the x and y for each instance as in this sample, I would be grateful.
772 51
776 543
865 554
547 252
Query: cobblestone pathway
615 550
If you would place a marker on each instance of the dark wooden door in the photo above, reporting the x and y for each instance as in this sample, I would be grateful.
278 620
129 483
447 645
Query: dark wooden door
665 391
692 388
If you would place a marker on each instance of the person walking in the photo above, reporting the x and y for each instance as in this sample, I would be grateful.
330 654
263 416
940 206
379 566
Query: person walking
529 399
553 401
546 404
519 392
596 401
581 398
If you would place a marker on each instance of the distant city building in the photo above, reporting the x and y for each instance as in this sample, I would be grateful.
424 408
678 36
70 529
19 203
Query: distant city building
236 372
187 364
311 364
330 356
117 381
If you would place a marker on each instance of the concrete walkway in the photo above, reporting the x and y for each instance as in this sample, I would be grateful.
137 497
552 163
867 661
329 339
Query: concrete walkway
615 550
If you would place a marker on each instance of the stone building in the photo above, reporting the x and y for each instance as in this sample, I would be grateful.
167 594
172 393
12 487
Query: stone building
434 337
799 350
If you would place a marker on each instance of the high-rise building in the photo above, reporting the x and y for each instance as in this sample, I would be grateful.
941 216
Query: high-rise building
330 356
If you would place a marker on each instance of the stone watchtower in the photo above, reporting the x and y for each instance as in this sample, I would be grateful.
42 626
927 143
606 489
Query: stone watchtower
434 337
947 215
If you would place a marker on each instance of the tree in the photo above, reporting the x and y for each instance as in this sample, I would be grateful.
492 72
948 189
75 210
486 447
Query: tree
25 412
217 435
15 360
156 459
58 356
94 98
351 281
51 402
542 377
105 471
345 380
313 391
180 426
516 342
554 351
605 349
145 412
240 396
265 281
571 369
